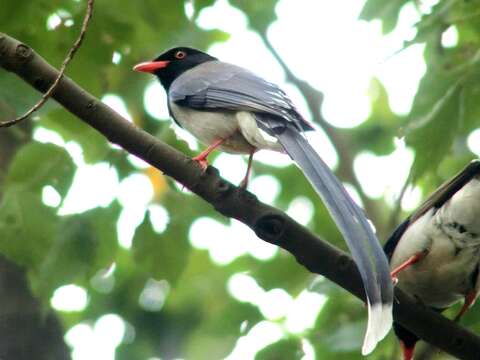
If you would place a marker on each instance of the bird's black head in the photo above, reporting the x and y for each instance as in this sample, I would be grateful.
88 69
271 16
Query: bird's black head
172 63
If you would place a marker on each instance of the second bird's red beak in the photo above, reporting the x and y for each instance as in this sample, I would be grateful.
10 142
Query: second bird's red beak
151 66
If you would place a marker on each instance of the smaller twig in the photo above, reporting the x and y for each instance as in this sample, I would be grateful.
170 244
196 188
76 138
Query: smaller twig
69 57
314 99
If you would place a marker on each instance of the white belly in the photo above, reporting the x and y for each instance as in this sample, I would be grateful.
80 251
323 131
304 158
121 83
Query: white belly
238 129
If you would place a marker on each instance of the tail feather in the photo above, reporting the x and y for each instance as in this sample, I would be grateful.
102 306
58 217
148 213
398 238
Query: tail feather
363 244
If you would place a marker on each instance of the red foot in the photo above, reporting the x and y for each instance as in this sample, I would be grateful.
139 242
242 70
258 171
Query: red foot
202 157
202 161
243 184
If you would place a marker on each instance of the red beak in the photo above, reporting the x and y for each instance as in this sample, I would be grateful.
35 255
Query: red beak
151 66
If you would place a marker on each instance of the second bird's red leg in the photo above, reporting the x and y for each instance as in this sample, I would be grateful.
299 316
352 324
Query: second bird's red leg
410 261
469 300
407 351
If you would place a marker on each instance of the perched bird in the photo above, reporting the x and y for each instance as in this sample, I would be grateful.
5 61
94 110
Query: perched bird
435 253
228 107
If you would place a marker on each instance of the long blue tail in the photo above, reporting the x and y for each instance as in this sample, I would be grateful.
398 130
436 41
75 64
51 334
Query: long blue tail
352 223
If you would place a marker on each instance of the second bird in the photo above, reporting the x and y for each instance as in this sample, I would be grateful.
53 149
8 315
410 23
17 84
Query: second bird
435 253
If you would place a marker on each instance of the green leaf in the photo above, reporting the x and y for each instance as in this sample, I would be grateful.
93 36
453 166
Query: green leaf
37 165
27 228
17 105
260 14
387 11
94 145
346 338
323 286
290 348
281 272
432 135
83 245
199 5
375 134
7 111
470 106
164 255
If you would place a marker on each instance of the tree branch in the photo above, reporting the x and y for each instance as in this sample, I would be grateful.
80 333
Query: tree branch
269 224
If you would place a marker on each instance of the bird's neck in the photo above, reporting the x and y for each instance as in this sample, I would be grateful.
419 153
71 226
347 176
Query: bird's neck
169 74
166 80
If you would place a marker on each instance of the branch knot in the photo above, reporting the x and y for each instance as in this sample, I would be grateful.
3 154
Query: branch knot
23 53
270 228
344 263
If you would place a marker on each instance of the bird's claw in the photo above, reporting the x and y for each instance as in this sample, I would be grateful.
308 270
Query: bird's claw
244 184
202 162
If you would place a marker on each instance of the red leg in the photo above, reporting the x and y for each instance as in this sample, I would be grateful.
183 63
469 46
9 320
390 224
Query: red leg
469 300
244 182
407 351
410 261
202 157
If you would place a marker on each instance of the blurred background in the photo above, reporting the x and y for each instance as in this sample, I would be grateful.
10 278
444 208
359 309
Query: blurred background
106 255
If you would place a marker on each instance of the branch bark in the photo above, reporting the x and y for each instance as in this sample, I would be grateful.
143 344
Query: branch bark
270 224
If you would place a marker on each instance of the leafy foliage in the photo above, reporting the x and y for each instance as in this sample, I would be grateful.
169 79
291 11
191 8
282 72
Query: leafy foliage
22 214
388 12
30 172
443 112
192 311
153 251
260 13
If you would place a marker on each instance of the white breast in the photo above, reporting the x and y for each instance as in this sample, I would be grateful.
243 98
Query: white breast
451 234
239 128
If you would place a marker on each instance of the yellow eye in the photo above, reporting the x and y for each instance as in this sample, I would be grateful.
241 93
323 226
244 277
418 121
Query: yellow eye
180 54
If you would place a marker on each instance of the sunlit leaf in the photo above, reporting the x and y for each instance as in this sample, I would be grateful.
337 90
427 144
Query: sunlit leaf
387 11
259 13
432 136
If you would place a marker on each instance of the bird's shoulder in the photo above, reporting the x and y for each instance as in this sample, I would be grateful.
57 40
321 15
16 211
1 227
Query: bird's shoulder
216 77
436 200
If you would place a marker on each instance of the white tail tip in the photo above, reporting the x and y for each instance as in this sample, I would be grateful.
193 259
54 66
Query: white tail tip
379 323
